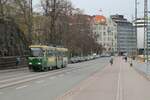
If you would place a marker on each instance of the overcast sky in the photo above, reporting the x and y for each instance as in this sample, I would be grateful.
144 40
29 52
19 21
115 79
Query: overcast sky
109 7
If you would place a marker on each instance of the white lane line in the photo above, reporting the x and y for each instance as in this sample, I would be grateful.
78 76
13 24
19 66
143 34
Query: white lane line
61 75
17 78
21 87
41 81
75 71
42 75
119 86
121 91
68 72
11 76
52 77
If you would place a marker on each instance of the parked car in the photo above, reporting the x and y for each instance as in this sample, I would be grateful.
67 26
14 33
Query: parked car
74 60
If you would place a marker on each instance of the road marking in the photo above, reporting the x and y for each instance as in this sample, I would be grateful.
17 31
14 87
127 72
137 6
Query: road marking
119 86
68 72
61 75
41 81
21 87
19 80
52 77
1 92
75 71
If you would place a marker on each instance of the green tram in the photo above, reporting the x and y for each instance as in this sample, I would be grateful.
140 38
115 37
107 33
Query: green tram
44 58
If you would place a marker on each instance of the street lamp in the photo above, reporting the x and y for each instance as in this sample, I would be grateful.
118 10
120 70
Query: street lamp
136 16
145 30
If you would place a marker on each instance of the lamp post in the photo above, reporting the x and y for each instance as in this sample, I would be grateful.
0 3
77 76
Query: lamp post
136 9
30 22
146 36
146 29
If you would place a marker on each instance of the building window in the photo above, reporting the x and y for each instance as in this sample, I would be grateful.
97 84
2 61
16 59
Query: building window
104 33
104 28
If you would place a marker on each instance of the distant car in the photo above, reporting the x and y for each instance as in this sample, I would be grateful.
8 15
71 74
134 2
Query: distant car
86 58
74 60
97 56
78 59
83 59
105 55
91 57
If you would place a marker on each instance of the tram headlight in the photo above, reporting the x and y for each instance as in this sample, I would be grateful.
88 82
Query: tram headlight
30 63
39 63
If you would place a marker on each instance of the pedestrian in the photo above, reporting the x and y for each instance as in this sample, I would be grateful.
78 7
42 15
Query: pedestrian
18 61
111 61
126 58
131 64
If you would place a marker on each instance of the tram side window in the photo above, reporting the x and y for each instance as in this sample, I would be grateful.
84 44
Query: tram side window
61 54
51 53
65 54
58 53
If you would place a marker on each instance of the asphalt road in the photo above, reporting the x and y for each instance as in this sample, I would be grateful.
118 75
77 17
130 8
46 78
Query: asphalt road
25 85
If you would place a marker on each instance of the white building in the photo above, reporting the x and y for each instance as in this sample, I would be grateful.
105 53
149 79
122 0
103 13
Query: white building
106 31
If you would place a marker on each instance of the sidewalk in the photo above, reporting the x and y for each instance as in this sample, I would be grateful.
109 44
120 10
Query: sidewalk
117 82
142 66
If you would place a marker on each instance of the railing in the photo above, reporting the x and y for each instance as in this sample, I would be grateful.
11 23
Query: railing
10 62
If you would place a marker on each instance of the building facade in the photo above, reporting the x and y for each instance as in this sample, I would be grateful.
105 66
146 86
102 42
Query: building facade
126 36
106 32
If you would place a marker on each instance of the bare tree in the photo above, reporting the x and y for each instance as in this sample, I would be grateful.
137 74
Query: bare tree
25 7
2 3
56 10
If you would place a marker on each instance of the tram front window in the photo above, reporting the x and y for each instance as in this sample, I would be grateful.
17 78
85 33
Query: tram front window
37 52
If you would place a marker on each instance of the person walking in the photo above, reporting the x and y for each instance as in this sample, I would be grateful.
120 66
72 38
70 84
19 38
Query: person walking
18 61
111 60
126 58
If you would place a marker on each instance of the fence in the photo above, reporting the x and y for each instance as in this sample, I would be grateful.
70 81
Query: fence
10 62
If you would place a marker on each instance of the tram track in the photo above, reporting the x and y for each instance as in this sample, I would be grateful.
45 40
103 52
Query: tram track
18 73
34 76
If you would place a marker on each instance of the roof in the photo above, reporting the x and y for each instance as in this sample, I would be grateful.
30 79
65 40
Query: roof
100 19
38 46
42 46
49 47
62 49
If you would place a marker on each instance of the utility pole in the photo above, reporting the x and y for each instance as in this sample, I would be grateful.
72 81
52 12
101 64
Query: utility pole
136 9
1 9
53 22
30 21
146 29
